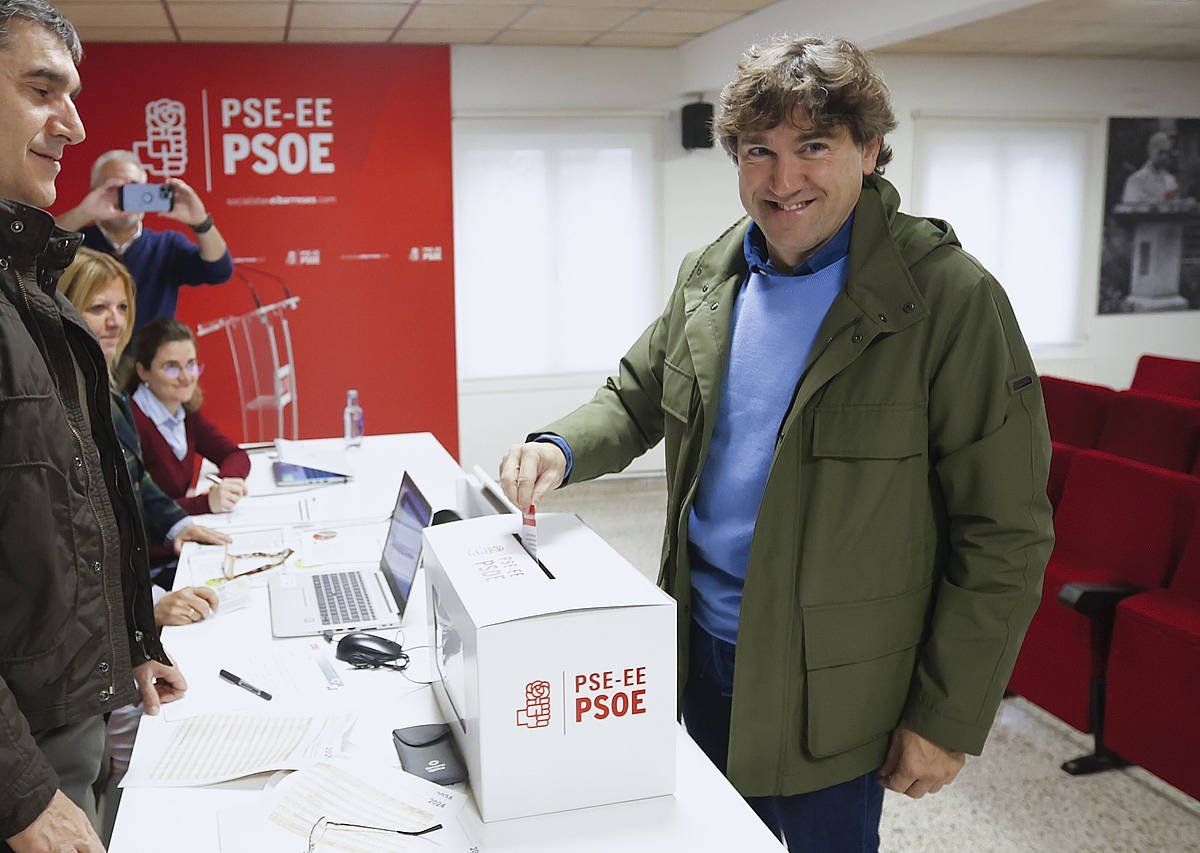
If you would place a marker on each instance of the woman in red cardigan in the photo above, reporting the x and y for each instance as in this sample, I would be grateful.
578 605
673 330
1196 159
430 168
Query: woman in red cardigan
174 433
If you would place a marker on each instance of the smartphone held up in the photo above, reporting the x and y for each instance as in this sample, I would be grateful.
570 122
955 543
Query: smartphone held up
146 198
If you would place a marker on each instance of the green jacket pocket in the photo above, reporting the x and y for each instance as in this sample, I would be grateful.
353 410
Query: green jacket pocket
678 385
860 658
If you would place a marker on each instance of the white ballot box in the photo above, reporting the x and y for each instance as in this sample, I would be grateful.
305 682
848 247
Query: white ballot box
557 676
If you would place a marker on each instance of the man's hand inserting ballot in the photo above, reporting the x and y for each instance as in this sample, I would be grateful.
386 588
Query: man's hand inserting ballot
528 471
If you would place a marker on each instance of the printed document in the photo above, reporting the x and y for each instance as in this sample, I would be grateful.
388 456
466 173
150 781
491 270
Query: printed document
219 747
358 792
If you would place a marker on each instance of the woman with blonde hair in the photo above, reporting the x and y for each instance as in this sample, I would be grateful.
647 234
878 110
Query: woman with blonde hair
102 289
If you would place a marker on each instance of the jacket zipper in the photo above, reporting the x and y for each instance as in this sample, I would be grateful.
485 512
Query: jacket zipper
91 503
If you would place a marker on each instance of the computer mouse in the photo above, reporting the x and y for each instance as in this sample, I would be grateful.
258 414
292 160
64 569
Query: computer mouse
362 649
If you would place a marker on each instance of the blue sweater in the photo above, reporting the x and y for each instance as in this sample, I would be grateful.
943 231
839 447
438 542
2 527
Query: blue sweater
161 262
775 320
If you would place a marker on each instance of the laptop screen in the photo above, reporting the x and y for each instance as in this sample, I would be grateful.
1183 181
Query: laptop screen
402 549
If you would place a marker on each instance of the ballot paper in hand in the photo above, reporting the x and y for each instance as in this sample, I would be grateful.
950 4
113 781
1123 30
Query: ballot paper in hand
529 531
219 747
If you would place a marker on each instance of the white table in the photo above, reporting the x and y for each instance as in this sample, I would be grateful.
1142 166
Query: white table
705 813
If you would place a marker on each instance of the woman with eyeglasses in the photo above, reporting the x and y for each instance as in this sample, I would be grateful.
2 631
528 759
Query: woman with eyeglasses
166 406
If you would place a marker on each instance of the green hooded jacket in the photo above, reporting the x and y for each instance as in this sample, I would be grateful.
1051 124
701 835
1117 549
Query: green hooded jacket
898 553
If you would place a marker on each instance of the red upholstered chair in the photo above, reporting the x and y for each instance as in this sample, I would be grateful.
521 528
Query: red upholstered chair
1075 410
1060 462
1118 525
1174 377
1149 428
1153 684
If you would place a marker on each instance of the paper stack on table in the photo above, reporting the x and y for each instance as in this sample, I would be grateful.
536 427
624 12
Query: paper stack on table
219 747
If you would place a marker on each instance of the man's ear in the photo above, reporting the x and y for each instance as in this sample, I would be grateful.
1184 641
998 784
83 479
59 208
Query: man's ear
870 155
141 371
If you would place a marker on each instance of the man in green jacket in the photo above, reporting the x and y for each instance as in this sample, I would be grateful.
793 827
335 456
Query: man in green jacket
857 456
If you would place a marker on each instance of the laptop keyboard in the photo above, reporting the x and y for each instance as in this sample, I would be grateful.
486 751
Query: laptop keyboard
341 598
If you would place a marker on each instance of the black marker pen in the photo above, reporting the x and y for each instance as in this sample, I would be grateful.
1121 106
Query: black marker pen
233 679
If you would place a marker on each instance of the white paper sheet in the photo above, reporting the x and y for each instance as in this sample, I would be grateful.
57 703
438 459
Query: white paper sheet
218 747
351 792
333 459
340 544
291 673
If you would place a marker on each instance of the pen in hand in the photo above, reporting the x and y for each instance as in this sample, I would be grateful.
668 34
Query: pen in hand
233 679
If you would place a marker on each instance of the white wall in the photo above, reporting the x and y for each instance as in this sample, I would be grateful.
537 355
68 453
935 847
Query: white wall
699 188
1094 89
495 80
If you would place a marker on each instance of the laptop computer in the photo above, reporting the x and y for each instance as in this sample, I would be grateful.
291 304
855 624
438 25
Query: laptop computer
356 599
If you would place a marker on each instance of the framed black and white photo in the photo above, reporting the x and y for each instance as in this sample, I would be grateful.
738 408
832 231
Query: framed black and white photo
1150 253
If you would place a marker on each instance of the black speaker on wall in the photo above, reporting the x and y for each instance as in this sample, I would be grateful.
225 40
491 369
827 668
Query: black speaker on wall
697 125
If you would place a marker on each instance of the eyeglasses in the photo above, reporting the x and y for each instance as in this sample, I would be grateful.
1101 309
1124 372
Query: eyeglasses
230 570
323 824
173 370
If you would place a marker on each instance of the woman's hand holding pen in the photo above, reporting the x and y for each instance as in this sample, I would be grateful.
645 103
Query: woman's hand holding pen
225 492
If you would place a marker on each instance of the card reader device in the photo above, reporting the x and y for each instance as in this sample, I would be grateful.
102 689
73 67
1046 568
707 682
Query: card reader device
429 752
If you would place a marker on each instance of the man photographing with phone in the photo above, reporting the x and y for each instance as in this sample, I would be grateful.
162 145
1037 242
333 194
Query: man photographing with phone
160 261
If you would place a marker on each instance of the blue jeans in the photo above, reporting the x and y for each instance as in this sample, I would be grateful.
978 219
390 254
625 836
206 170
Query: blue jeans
843 817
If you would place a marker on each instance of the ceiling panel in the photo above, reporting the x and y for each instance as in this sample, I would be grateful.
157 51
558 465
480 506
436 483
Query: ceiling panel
663 21
462 17
741 6
563 38
132 15
570 19
121 34
1164 29
225 34
620 39
337 35
407 36
229 14
1158 29
348 15
606 4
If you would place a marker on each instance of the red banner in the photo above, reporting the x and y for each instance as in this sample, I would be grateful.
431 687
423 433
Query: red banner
326 166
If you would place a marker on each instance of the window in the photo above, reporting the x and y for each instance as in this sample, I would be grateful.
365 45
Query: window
555 242
1015 192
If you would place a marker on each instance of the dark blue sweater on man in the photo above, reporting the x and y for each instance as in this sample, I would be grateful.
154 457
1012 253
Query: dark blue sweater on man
161 262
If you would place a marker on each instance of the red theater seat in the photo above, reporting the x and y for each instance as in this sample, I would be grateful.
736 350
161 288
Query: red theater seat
1156 430
1075 410
1174 377
1117 522
1153 685
1060 463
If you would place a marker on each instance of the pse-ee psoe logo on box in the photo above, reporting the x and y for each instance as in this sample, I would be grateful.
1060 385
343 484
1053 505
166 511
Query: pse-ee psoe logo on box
608 695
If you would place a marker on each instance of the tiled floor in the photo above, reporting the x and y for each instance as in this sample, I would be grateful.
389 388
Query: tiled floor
1013 797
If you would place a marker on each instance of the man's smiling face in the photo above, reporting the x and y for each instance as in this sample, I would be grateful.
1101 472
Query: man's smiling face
38 84
800 183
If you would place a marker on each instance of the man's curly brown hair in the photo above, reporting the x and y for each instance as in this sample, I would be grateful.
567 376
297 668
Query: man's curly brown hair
828 81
